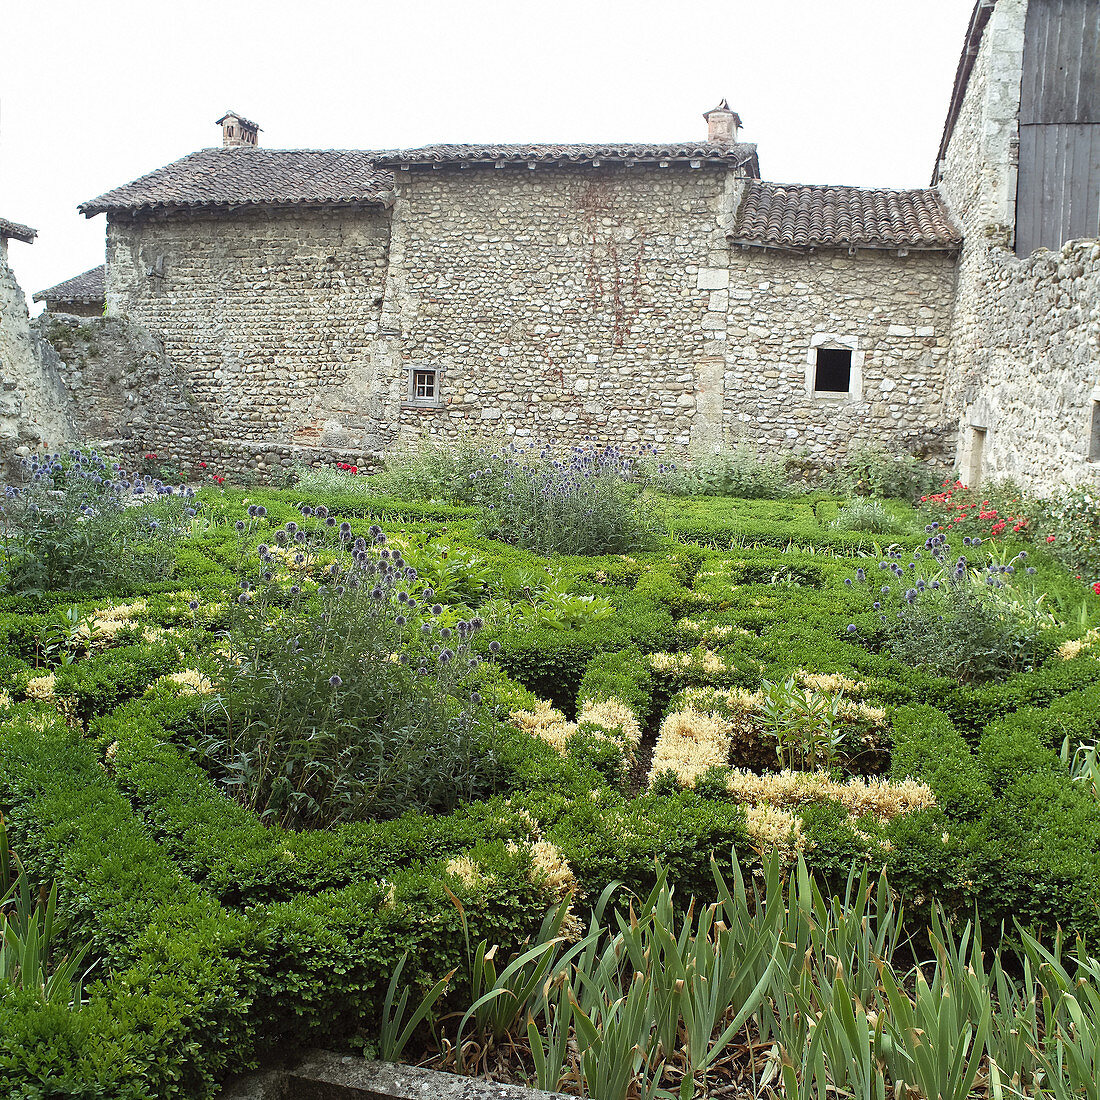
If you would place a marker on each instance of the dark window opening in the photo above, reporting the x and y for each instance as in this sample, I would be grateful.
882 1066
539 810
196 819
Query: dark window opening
1094 434
834 370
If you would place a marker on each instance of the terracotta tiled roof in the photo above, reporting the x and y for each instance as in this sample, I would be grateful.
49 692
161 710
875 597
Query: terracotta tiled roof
89 287
734 155
245 174
22 233
796 216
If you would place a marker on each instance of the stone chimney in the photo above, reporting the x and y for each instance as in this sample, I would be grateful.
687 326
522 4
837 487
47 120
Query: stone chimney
237 130
722 124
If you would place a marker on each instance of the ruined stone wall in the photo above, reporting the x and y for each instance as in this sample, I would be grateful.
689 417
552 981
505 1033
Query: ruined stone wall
34 405
560 304
268 316
124 391
1023 367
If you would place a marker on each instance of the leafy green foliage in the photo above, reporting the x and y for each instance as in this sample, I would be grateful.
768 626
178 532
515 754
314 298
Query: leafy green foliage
80 524
867 514
353 706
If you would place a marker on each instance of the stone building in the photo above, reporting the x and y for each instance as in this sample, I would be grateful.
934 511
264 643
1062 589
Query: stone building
334 302
34 404
323 304
1024 372
80 296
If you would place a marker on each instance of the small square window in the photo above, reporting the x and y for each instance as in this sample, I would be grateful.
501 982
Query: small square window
833 371
424 387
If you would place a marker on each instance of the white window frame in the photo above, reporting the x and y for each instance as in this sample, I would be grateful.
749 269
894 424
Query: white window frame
835 342
412 401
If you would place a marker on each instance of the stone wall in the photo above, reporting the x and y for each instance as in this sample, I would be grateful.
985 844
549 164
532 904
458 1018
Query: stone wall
555 305
124 391
894 313
1033 377
269 317
1023 369
560 304
34 405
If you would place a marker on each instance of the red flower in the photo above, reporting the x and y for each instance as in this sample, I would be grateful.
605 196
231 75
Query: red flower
1096 587
1050 538
150 457
202 465
354 469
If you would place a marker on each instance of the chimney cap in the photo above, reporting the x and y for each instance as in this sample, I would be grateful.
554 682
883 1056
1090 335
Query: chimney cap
723 108
240 118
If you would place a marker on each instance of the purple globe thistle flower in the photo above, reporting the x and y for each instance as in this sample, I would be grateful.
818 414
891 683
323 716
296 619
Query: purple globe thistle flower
295 589
320 511
446 657
494 646
437 609
334 681
851 628
876 605
261 511
239 525
193 605
330 521
291 526
400 620
445 634
376 593
429 594
848 581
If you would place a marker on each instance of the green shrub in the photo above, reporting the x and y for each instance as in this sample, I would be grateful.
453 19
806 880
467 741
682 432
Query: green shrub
967 619
73 526
361 707
864 514
737 473
869 472
1071 521
585 504
623 675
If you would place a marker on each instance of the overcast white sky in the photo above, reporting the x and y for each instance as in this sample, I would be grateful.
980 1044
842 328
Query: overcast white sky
93 95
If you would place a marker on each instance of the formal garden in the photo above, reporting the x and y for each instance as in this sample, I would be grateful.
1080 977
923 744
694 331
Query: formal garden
575 770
